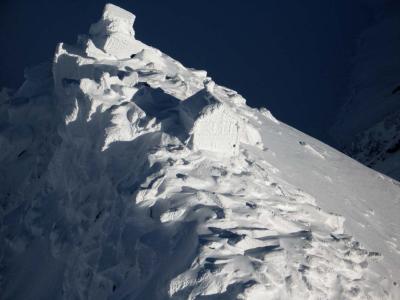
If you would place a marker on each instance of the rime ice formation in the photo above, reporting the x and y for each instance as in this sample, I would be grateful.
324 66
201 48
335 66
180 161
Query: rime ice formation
126 175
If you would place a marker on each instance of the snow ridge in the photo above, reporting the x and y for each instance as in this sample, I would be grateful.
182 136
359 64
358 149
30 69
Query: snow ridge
143 179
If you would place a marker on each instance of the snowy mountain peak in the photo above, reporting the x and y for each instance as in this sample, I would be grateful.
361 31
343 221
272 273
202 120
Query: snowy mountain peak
143 179
122 69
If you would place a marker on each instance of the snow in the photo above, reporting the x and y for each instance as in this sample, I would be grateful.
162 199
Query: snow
137 178
114 32
214 125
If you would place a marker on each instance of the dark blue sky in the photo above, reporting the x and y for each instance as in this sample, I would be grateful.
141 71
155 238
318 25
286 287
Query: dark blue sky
290 56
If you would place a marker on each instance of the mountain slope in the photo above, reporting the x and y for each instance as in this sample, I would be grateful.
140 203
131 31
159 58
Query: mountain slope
128 176
368 127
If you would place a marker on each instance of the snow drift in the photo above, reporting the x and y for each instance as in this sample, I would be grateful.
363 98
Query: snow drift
126 175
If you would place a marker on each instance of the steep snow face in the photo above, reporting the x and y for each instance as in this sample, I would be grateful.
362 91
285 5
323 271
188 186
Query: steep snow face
128 176
368 127
379 146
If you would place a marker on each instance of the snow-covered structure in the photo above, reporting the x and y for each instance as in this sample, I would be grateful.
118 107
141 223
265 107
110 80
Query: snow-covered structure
137 178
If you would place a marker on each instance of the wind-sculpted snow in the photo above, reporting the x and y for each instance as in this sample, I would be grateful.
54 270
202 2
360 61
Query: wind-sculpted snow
128 176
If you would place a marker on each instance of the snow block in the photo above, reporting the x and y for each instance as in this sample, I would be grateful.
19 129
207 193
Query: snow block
214 126
211 124
217 130
114 32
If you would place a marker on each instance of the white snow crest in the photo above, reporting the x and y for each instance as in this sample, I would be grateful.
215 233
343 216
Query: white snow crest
143 179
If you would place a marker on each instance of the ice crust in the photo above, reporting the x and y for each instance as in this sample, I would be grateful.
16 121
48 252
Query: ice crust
126 175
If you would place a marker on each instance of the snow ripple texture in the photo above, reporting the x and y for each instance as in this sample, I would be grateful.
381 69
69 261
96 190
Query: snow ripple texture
128 176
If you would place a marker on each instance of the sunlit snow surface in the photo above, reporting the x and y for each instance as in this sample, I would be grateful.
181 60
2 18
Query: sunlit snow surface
125 175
